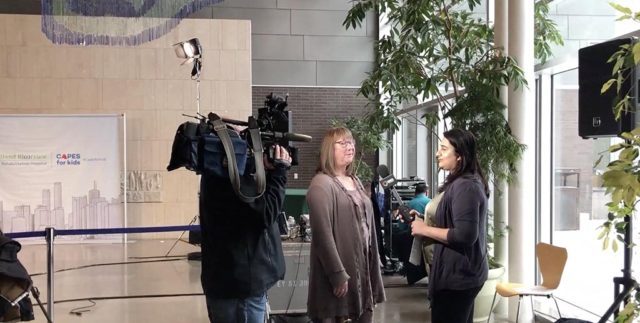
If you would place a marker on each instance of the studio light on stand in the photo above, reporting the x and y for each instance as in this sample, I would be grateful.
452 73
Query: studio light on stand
191 51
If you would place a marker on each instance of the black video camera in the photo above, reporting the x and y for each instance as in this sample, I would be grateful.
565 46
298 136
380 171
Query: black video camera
274 123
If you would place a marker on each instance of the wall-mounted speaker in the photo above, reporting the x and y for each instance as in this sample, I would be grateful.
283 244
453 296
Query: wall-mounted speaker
595 110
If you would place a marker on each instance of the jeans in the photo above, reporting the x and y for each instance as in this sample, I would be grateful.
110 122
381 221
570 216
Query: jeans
237 310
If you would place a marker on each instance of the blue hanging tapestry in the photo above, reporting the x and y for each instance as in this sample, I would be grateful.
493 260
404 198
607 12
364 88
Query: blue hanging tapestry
114 22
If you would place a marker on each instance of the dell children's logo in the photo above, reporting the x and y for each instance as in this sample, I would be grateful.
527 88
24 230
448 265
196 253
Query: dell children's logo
68 159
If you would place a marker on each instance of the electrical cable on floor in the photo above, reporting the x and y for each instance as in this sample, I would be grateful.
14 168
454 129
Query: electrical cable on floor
398 285
110 264
102 298
155 257
295 281
285 319
79 310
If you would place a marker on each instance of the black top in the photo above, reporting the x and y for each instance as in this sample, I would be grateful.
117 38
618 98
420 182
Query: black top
462 263
241 249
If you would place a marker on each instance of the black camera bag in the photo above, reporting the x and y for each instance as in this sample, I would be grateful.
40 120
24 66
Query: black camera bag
198 149
184 151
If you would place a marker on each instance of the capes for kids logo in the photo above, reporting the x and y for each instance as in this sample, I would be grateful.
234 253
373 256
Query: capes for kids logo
68 159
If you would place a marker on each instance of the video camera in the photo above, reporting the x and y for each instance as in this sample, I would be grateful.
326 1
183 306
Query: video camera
274 123
204 147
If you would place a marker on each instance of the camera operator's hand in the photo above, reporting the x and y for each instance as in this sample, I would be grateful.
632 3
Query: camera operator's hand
281 158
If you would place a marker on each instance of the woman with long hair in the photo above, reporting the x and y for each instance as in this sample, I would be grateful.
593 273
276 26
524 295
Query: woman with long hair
344 280
460 266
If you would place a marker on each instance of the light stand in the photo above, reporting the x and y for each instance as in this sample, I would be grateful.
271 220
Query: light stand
195 75
191 51
626 281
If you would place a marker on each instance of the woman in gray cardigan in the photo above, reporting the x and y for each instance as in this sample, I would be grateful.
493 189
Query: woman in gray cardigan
344 280
460 265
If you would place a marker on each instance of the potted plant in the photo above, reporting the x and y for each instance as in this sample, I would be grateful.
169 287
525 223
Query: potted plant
482 306
438 50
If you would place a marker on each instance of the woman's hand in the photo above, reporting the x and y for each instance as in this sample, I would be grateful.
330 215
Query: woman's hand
341 290
415 214
419 228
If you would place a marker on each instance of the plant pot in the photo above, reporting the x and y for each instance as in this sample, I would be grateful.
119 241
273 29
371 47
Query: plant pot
482 305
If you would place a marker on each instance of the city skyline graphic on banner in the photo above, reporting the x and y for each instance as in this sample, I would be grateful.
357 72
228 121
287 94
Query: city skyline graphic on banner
70 180
89 210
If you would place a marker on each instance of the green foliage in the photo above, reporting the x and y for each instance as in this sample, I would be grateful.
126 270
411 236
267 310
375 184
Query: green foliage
622 177
433 51
545 31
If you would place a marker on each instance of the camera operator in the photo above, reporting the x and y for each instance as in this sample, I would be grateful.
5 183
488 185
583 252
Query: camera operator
241 249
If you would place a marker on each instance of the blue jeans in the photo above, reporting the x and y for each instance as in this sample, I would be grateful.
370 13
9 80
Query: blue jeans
237 310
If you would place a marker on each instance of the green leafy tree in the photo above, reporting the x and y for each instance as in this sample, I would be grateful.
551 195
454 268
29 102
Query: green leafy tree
545 31
437 49
433 50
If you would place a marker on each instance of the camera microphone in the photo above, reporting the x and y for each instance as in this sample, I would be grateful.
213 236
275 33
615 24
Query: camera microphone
289 136
235 122
388 181
297 137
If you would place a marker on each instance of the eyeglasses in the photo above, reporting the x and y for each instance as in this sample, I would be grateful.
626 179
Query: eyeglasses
346 143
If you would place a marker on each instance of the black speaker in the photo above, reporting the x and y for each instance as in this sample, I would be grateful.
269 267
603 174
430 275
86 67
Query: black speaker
595 110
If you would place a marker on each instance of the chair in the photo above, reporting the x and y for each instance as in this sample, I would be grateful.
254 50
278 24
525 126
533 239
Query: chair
551 260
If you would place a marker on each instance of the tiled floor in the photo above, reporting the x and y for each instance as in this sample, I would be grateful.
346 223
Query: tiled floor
168 288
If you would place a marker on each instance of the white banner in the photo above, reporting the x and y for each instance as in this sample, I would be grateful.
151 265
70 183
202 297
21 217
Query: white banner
60 171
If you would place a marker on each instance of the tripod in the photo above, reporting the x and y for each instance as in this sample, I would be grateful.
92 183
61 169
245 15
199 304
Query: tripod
36 294
626 281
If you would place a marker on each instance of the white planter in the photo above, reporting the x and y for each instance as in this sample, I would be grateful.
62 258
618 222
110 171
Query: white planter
483 301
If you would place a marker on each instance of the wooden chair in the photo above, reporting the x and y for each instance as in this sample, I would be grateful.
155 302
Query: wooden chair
551 260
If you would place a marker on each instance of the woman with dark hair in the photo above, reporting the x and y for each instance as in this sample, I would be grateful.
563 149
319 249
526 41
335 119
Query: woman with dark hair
344 280
459 267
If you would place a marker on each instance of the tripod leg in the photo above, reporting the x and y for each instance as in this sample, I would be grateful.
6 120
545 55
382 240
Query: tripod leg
36 294
180 237
616 303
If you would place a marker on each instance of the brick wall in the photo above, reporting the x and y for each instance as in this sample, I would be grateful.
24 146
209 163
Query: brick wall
312 110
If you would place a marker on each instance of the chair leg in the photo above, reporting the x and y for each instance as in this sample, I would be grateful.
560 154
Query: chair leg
531 300
491 308
557 307
518 312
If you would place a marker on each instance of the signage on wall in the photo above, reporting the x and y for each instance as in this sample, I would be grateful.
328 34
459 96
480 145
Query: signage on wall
53 177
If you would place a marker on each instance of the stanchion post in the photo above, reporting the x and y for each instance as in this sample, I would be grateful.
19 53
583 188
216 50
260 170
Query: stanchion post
50 234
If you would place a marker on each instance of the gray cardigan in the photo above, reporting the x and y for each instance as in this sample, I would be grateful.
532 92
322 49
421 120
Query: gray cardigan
462 263
337 252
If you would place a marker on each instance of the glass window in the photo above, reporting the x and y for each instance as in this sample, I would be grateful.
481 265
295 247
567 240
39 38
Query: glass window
410 143
578 206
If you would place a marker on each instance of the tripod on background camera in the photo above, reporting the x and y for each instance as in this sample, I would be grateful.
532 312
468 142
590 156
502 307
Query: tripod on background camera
626 281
